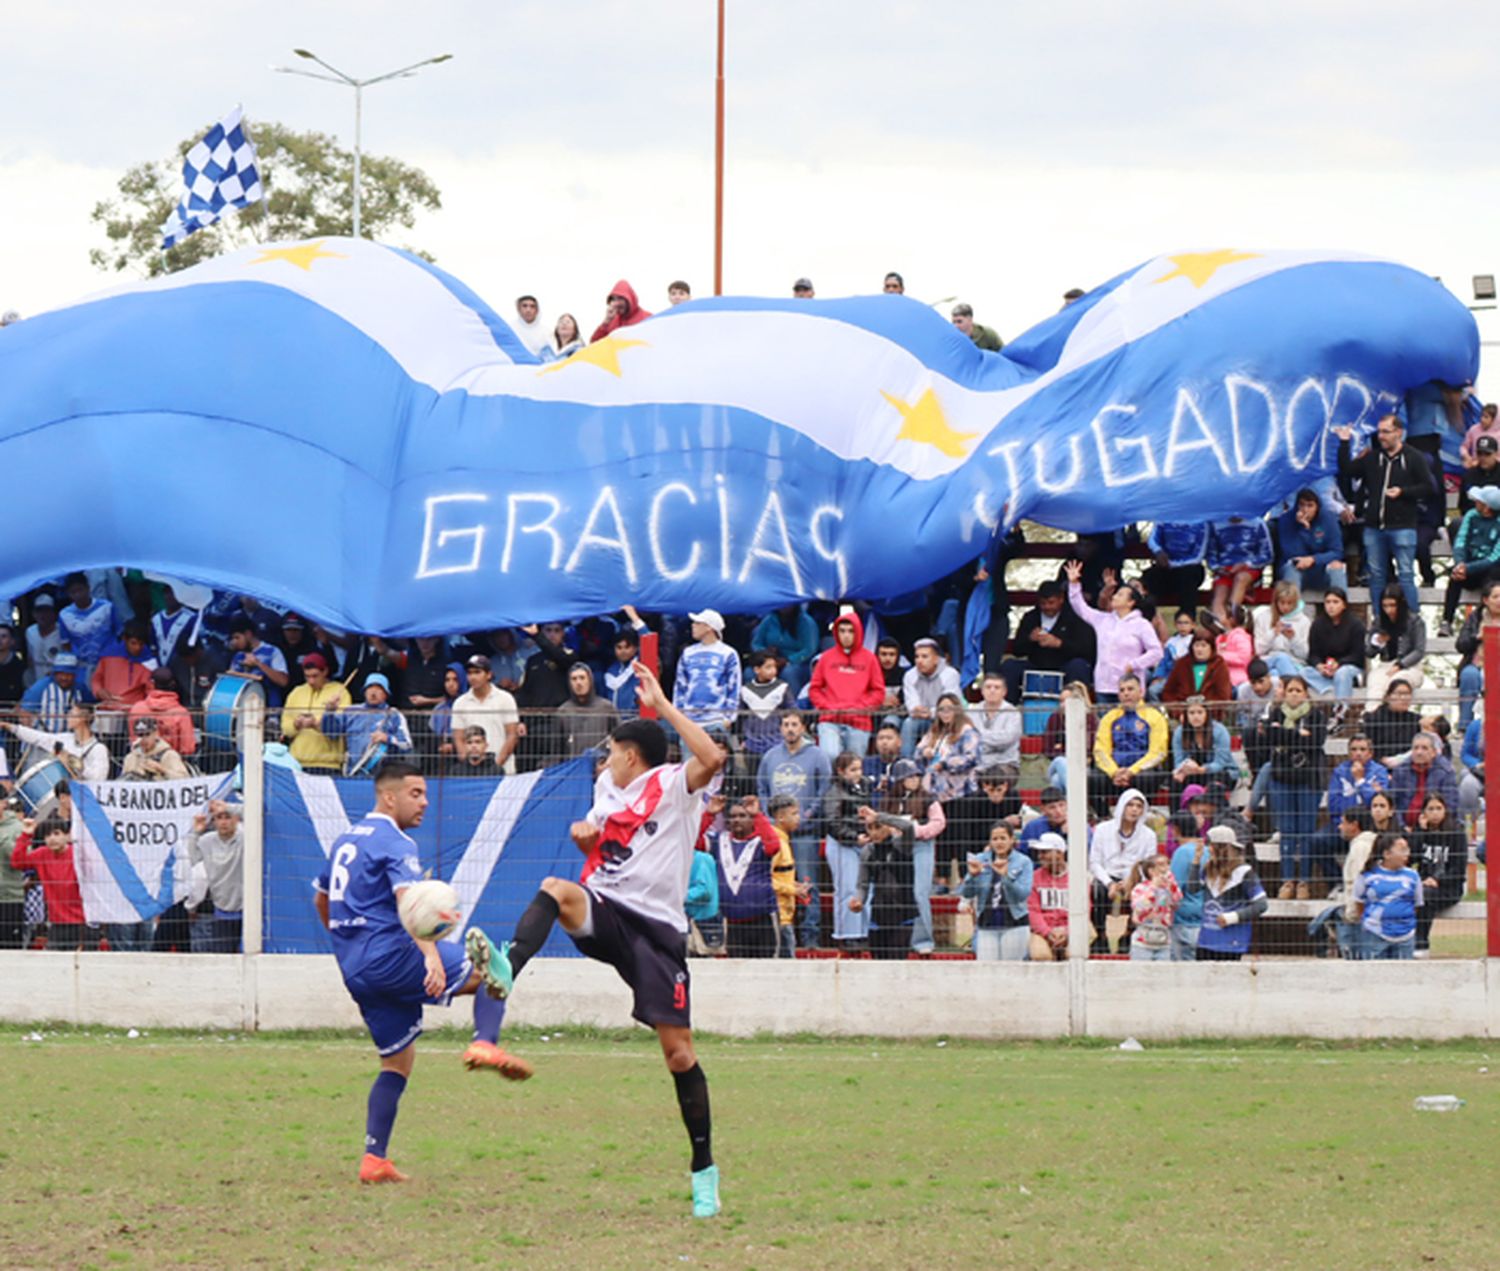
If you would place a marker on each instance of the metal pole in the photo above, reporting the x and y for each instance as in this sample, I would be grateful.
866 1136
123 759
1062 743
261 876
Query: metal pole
1491 787
358 104
719 164
1075 735
253 824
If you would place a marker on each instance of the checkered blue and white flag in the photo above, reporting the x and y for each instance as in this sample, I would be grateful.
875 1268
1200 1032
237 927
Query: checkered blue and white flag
219 172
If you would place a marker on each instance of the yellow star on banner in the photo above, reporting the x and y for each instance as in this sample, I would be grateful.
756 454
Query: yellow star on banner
605 354
926 424
1199 267
302 255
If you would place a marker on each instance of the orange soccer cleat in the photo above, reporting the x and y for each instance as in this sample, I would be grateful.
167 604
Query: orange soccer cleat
379 1169
489 1055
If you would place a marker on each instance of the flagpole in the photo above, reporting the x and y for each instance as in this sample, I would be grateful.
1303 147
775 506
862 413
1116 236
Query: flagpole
719 163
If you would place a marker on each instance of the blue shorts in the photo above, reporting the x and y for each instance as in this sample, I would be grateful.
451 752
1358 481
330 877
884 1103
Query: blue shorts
390 992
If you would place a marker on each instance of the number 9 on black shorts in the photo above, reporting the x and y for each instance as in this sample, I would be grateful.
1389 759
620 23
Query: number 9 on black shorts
650 956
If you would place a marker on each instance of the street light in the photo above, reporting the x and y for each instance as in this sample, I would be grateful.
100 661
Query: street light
336 76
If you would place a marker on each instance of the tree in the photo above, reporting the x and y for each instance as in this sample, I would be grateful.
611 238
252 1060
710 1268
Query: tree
308 180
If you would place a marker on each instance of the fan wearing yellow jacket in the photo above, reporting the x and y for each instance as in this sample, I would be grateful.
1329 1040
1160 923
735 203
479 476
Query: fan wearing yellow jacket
1130 748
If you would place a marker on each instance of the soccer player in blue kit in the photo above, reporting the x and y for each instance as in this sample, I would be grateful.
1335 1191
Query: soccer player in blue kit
627 911
389 973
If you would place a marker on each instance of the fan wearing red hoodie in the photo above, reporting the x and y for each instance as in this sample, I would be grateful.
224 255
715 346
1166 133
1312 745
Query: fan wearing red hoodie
622 310
163 704
847 683
53 863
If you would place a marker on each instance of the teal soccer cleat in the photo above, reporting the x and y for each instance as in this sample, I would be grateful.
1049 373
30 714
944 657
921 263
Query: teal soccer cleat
492 964
706 1192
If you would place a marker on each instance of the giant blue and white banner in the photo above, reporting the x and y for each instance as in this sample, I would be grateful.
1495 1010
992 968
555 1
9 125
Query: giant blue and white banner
413 468
493 840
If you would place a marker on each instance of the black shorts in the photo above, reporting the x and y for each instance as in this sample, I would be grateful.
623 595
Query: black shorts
650 956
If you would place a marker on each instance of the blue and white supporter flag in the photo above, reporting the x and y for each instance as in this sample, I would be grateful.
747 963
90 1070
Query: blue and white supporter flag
417 469
218 173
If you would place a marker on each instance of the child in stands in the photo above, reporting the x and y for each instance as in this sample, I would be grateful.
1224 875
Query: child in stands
53 863
1154 897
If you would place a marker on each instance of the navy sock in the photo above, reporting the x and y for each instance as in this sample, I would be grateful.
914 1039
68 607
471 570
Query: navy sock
692 1098
385 1097
532 931
489 1014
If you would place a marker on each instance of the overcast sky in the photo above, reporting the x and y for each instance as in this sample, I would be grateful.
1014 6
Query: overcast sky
998 153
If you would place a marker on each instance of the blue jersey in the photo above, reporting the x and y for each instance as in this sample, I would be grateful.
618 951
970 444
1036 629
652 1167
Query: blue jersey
364 868
1390 897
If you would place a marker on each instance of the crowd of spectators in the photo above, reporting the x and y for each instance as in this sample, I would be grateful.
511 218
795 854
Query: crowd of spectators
1227 679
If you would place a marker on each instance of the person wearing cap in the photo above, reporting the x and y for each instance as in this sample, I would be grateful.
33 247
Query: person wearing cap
302 717
1476 552
707 686
490 708
296 640
163 704
1047 906
50 700
929 678
44 638
1054 819
256 660
983 337
150 758
371 724
1232 899
802 289
1311 542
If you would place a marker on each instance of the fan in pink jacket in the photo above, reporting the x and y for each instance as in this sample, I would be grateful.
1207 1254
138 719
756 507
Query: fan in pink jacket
1127 642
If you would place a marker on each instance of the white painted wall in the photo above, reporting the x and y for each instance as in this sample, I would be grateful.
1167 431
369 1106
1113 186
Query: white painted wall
1163 1001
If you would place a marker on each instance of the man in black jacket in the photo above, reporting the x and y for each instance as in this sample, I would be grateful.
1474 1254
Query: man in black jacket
1051 637
1393 480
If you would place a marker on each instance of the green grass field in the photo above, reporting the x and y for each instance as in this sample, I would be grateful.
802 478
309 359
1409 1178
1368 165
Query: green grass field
218 1151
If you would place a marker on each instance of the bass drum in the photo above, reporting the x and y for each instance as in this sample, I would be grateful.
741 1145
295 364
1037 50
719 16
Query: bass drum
36 784
224 712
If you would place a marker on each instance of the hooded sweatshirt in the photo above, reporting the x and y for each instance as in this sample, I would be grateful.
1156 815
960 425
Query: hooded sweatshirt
846 686
172 719
1113 852
588 722
633 312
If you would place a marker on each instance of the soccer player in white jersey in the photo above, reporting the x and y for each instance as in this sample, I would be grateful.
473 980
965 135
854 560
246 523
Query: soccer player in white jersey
639 838
389 973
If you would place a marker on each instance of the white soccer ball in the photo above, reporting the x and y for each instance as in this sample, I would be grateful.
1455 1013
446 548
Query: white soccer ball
429 909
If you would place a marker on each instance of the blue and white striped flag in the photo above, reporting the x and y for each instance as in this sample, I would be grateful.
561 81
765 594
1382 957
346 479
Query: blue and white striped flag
218 173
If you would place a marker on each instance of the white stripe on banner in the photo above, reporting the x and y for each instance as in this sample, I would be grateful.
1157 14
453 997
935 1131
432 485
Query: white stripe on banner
324 809
490 837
